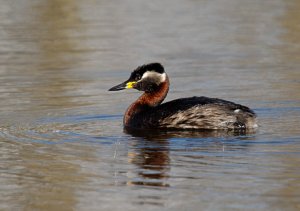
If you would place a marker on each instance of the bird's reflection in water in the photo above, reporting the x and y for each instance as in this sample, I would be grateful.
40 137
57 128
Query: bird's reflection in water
151 155
150 152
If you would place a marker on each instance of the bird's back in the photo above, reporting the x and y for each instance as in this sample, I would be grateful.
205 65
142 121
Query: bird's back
196 113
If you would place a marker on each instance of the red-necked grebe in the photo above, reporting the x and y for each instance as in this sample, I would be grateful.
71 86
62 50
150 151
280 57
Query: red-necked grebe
147 112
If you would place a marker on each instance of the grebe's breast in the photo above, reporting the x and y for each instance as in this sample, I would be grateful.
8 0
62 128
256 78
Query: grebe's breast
195 113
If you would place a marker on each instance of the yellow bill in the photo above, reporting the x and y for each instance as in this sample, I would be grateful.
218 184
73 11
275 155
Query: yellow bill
129 85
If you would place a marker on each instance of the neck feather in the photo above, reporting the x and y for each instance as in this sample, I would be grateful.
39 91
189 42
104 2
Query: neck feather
147 100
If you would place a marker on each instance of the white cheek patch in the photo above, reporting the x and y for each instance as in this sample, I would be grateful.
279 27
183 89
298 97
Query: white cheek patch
163 77
155 76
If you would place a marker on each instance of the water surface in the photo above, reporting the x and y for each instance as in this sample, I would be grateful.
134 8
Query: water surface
62 143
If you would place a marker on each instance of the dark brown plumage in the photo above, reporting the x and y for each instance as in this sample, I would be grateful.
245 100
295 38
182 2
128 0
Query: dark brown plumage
147 112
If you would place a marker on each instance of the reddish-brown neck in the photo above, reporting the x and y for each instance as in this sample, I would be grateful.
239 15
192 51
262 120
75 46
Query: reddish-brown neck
147 100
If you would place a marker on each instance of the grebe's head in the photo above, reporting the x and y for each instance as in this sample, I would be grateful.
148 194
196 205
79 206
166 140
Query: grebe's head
145 78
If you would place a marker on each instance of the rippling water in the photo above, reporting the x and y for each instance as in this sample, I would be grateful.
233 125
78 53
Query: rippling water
61 137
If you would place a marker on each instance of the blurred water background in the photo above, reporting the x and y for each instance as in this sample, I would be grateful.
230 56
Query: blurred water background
62 144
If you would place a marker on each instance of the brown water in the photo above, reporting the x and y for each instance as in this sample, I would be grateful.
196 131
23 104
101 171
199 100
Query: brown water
61 137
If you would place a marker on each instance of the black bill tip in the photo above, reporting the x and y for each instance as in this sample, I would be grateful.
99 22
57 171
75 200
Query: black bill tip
118 87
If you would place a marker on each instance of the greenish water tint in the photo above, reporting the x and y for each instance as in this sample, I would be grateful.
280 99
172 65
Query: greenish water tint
61 137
